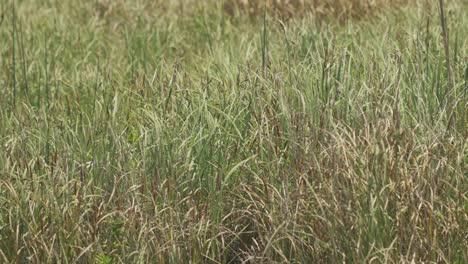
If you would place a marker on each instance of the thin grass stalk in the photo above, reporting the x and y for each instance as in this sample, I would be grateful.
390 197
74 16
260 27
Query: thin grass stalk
449 90
23 63
46 54
13 54
264 39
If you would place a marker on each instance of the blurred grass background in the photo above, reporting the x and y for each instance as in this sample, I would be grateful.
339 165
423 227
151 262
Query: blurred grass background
338 9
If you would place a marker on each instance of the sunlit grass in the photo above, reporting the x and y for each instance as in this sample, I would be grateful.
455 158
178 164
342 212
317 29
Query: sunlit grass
143 132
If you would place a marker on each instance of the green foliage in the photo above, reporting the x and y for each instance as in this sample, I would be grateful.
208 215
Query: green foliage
144 132
103 259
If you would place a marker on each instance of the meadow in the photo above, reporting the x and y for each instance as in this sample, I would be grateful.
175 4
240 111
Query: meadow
209 132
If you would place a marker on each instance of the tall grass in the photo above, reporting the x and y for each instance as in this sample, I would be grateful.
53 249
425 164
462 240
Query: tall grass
147 136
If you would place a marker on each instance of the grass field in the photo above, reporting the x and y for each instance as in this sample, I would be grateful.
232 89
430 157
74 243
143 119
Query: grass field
177 132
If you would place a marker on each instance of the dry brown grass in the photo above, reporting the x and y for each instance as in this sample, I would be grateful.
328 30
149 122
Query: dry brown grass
289 8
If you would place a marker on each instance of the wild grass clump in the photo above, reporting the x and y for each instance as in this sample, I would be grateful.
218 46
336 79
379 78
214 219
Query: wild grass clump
132 134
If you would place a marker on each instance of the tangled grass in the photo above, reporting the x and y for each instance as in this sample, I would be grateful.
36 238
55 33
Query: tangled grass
132 134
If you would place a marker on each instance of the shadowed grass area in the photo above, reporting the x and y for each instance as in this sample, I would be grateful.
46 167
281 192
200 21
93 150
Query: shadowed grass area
142 132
